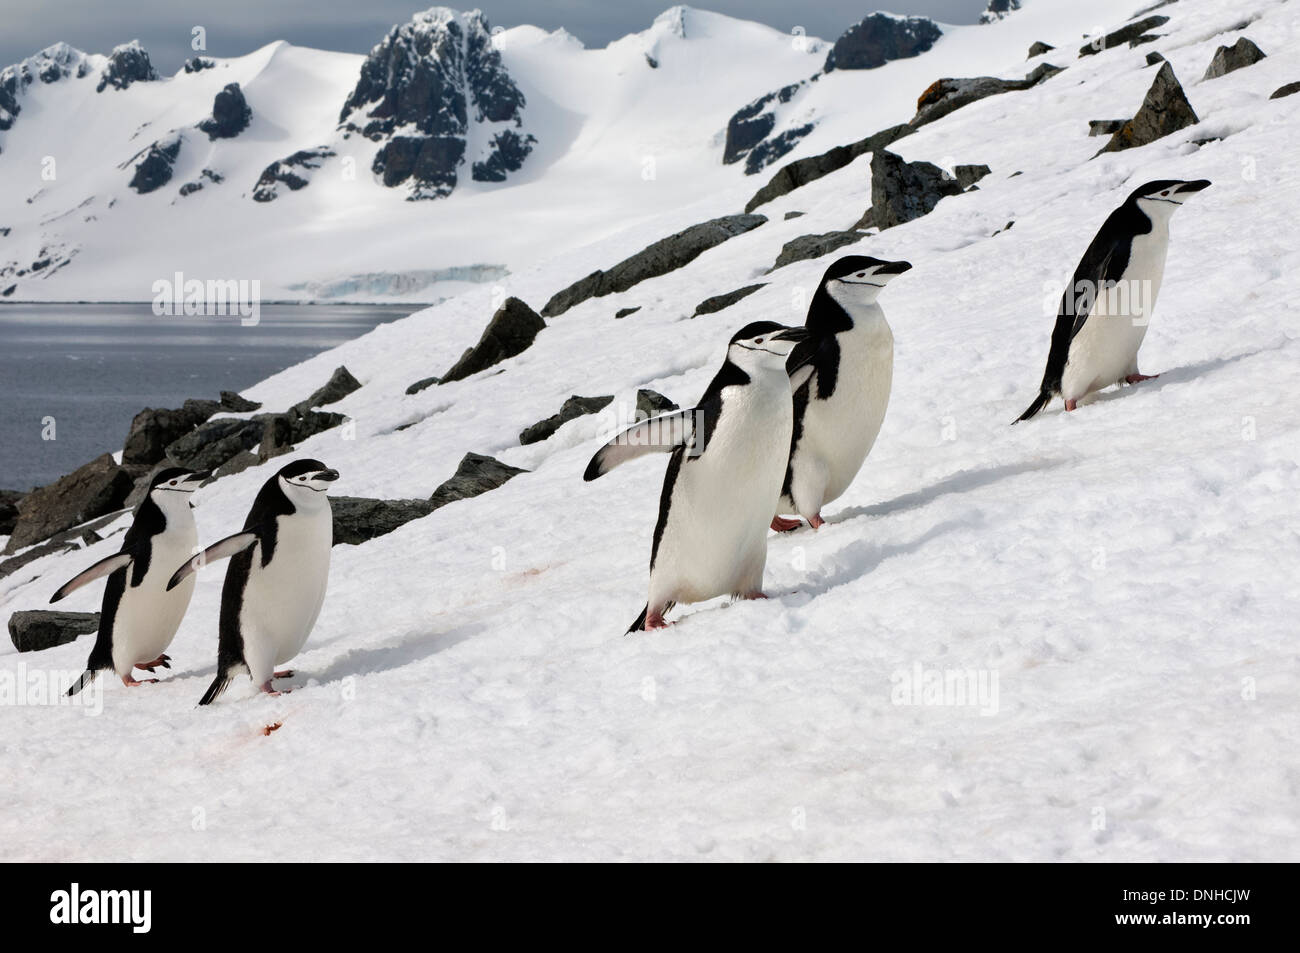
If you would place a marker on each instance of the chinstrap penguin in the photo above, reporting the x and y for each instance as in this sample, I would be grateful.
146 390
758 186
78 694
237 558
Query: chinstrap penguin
727 456
275 583
140 612
838 410
1104 312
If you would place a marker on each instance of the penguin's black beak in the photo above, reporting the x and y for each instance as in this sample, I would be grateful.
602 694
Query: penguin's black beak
894 268
326 476
792 334
1194 186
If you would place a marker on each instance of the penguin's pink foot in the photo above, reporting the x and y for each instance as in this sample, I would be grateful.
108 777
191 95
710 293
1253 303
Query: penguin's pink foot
286 673
1071 404
782 525
1139 378
161 661
753 595
266 687
655 620
816 521
130 682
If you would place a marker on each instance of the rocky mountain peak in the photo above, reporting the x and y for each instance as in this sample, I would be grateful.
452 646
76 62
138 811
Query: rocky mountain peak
422 90
127 64
879 38
997 9
48 66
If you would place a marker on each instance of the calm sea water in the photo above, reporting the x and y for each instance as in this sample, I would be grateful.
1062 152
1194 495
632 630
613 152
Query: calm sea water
92 367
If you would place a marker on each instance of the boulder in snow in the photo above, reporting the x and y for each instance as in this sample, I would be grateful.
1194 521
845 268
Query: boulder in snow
947 95
1165 110
572 408
422 384
802 171
814 246
1038 48
293 172
1290 89
1130 33
34 629
651 403
477 474
340 384
716 303
282 432
230 114
1226 59
127 64
510 332
665 255
359 519
902 191
211 444
879 38
154 170
234 403
152 429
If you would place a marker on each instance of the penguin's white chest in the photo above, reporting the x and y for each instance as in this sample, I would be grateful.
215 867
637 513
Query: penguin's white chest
1106 347
148 615
715 540
283 598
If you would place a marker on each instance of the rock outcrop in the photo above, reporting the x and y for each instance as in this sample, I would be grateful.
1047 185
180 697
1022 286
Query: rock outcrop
814 246
360 519
421 91
902 191
1165 110
153 429
998 9
948 95
340 384
92 490
50 65
802 171
510 332
127 64
230 114
1130 33
749 128
154 170
665 255
293 172
716 303
880 38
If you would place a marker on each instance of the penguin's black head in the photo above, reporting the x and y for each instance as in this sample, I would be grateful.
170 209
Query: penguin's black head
1170 193
178 479
305 478
851 282
763 344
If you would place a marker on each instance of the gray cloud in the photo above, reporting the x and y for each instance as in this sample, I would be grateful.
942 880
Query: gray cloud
236 27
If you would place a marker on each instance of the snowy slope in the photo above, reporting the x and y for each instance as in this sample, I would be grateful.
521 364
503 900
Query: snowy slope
1126 572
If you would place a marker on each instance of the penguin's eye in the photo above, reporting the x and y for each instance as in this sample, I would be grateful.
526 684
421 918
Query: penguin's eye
860 274
173 482
1165 192
758 340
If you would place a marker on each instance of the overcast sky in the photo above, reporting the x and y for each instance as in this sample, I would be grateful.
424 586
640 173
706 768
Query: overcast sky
235 27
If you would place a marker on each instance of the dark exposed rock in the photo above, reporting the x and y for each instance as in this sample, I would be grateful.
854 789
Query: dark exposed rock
1164 110
127 64
792 214
232 402
197 64
9 510
968 175
211 444
1039 48
91 490
1125 34
880 38
230 114
1153 58
152 429
340 384
154 170
62 542
748 131
665 255
948 95
294 172
433 78
1290 89
1144 38
50 65
475 475
359 519
814 246
902 191
422 384
511 331
651 403
34 629
624 312
718 302
1226 59
281 432
1105 127
237 464
802 171
572 408
997 9
189 188
765 153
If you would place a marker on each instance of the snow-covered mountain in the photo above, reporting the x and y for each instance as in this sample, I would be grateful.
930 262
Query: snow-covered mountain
1121 578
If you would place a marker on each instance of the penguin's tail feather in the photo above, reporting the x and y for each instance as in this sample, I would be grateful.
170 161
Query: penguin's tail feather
215 689
86 678
639 624
1044 398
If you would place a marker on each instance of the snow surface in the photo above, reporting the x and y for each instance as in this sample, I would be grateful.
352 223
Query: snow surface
1126 572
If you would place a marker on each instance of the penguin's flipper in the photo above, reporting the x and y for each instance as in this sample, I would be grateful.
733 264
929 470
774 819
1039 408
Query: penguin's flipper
656 435
216 688
1039 403
219 550
86 678
801 376
102 568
